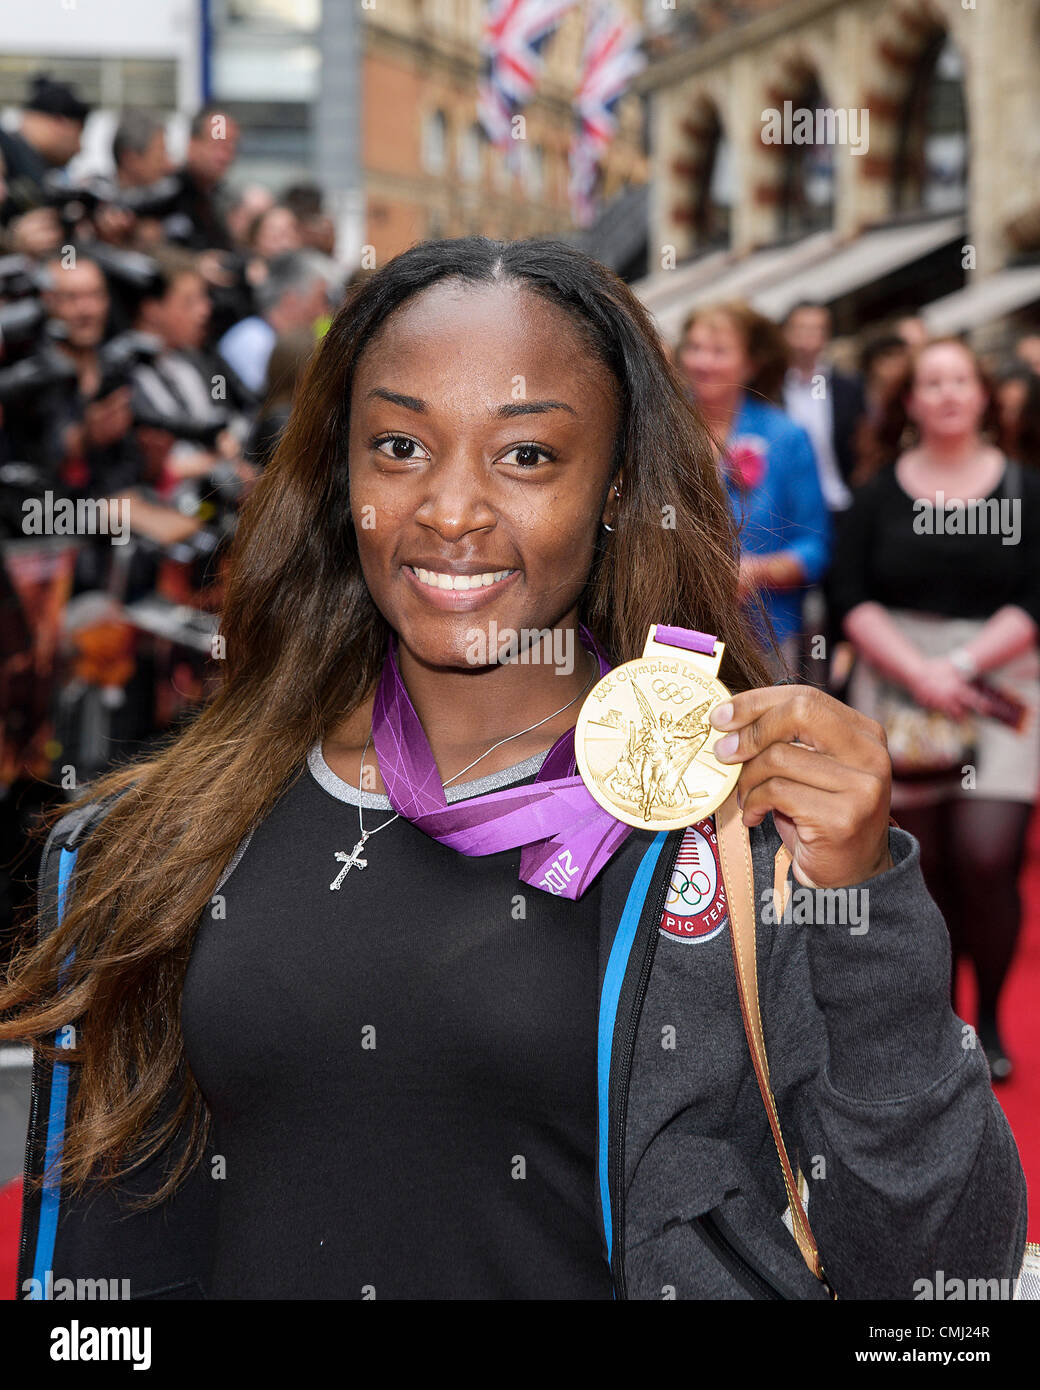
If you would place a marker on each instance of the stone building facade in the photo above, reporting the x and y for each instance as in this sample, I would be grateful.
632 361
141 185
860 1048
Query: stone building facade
427 169
729 64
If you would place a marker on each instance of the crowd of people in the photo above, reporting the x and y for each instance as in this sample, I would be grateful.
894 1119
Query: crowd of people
889 541
153 327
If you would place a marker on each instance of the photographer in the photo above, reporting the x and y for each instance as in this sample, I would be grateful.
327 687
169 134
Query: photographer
141 165
317 229
82 437
81 434
195 217
49 135
212 145
139 149
201 412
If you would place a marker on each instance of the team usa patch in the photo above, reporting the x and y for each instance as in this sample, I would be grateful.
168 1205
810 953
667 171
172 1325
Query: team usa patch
695 909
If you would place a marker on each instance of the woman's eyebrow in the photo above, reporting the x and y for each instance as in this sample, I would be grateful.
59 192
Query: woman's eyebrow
504 412
507 412
396 398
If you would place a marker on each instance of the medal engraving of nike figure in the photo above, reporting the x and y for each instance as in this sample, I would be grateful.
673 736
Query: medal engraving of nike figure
664 749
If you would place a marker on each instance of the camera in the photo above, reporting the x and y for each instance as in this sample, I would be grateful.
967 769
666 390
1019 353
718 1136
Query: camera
120 356
19 278
30 376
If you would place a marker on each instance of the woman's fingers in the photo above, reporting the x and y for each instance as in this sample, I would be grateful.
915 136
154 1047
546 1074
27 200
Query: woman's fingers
797 764
798 714
836 801
821 768
804 805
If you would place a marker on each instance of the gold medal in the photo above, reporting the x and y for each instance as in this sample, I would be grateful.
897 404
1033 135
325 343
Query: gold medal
643 742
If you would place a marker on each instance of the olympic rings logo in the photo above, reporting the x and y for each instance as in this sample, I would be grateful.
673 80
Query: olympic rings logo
689 889
671 691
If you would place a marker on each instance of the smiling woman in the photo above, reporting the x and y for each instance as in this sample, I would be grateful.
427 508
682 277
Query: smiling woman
456 1062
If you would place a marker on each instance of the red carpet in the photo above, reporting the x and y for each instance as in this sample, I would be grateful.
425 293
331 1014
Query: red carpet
1020 1030
10 1221
1020 1096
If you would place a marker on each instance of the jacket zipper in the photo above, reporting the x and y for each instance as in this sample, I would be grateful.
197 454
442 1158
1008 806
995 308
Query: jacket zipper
733 1255
618 1195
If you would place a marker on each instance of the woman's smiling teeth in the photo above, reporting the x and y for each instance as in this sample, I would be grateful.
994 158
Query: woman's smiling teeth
437 580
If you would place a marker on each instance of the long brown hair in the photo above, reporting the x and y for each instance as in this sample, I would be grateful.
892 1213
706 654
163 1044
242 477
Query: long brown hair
304 646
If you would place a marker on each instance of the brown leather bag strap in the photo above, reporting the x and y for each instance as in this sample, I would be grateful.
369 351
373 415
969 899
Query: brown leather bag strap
738 877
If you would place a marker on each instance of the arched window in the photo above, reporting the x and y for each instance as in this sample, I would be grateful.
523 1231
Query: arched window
504 161
931 165
471 153
435 142
807 189
534 171
714 191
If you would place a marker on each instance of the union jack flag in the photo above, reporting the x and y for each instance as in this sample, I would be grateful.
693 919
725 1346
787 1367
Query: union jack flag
611 57
514 34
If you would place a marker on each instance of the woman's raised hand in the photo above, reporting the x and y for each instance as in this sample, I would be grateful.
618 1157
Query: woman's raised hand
822 769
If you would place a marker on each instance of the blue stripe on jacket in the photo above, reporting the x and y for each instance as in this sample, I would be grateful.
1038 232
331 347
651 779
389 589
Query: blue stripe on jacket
47 1228
610 994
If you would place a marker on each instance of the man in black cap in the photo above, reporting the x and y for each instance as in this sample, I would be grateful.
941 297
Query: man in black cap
50 134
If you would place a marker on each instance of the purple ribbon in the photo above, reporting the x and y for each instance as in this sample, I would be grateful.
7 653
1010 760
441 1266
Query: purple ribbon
685 637
566 836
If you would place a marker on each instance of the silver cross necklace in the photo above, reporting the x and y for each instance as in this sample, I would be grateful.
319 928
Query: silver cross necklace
353 860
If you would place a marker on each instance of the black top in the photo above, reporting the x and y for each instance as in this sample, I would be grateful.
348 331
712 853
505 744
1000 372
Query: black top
199 205
891 549
401 1073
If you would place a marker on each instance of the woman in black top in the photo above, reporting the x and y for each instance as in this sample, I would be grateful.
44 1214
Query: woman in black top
398 1070
937 575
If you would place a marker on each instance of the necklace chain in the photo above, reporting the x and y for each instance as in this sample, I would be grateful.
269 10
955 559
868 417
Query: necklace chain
367 834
